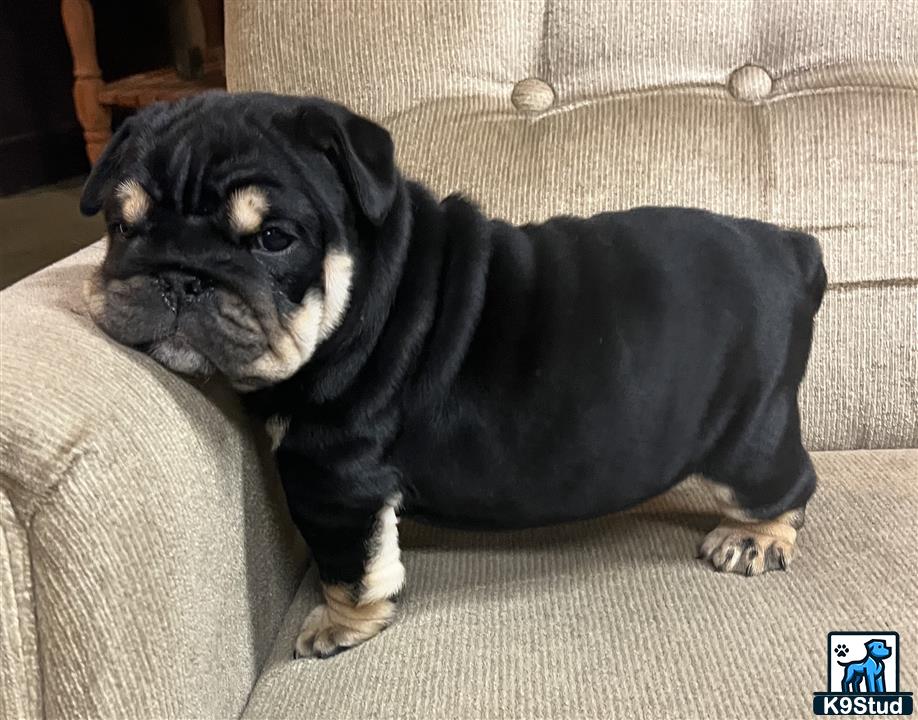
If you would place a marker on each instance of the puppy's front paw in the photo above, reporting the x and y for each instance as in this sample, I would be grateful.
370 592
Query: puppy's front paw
338 624
749 548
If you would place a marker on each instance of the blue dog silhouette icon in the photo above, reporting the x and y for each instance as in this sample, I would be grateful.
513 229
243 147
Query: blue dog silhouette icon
869 670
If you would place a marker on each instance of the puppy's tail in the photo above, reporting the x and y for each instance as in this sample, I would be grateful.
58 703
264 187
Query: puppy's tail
809 259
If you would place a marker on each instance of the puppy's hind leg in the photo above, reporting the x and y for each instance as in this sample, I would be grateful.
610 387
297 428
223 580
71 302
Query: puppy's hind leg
762 480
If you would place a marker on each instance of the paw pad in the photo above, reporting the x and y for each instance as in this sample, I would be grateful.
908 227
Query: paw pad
841 650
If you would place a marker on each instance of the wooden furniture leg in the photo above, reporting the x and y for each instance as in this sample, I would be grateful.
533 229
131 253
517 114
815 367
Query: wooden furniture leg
95 118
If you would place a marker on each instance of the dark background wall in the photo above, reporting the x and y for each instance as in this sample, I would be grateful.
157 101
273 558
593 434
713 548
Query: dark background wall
40 138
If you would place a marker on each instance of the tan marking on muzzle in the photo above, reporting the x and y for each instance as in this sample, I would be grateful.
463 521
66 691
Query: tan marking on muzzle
247 209
300 332
292 345
135 203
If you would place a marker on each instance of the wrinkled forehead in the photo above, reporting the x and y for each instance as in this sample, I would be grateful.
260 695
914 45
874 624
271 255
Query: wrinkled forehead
193 160
200 164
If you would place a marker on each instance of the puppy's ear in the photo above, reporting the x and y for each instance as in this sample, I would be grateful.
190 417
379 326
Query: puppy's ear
103 173
361 150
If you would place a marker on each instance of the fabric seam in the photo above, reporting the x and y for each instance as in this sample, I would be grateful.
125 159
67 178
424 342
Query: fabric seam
75 456
713 91
33 609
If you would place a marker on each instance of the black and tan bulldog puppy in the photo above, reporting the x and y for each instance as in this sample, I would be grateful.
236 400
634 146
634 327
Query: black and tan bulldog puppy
411 356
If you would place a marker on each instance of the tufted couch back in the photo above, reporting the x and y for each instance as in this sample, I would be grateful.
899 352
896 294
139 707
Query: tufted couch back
803 113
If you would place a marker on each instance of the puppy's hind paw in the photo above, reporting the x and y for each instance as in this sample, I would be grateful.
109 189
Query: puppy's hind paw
749 548
336 626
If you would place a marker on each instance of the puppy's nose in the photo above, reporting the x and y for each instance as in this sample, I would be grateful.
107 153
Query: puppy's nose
181 285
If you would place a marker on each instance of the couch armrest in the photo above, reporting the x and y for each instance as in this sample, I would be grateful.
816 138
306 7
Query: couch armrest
146 556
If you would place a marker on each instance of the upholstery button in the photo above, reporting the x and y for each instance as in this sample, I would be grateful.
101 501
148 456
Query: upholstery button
532 95
750 83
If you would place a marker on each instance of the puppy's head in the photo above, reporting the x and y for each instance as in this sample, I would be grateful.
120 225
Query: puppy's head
233 226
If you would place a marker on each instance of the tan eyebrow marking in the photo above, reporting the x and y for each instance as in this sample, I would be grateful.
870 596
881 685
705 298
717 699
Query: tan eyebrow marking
247 208
135 203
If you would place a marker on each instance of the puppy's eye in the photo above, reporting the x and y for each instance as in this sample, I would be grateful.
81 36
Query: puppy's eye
272 240
124 230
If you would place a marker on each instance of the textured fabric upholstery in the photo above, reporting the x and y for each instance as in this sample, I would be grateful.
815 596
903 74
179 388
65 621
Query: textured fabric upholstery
147 563
613 619
800 113
145 556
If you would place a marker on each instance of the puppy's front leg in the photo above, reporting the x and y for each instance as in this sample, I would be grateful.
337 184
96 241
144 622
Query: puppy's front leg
355 546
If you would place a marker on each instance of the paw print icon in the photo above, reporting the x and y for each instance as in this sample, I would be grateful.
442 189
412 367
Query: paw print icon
841 650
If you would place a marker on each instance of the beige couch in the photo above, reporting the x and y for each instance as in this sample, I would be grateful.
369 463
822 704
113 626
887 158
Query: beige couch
147 564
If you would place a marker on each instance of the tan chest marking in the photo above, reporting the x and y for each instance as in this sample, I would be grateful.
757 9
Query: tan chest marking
277 427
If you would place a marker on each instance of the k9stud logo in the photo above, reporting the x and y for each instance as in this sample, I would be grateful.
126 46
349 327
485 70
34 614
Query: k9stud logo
863 676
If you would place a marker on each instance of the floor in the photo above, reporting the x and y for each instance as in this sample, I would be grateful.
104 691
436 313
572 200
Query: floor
41 226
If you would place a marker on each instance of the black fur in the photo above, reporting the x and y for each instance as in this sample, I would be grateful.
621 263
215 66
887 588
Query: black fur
494 376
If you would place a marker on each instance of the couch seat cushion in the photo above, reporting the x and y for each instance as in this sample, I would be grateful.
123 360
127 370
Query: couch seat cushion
614 617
